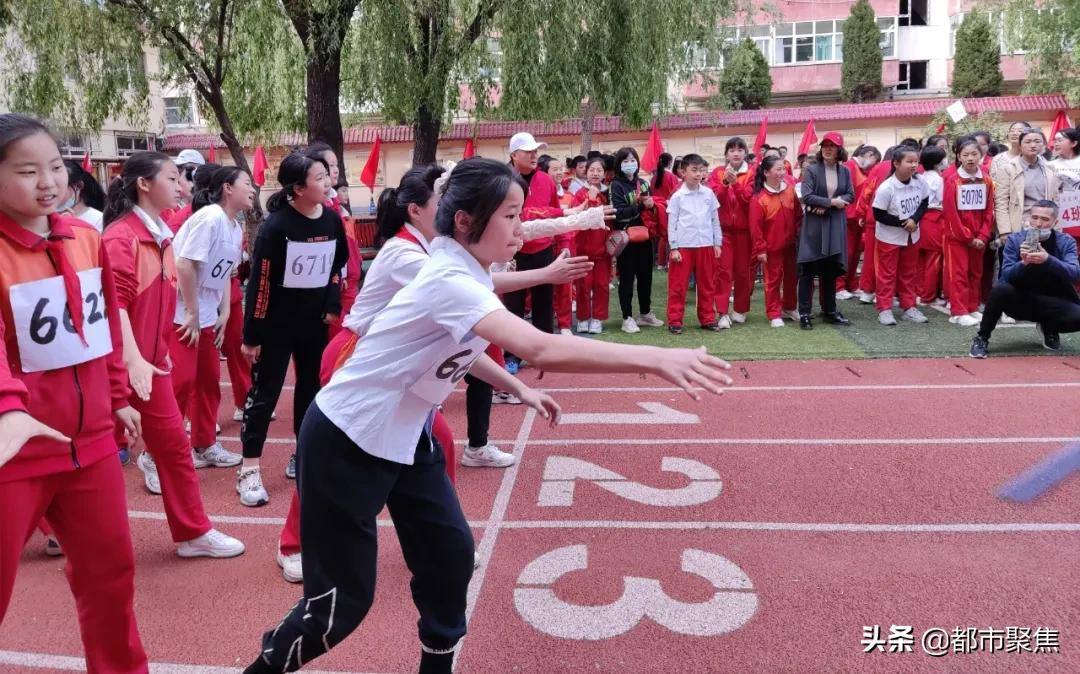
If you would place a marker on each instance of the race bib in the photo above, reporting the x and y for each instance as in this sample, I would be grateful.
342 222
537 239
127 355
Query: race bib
907 204
1069 203
219 271
44 329
453 365
308 265
972 197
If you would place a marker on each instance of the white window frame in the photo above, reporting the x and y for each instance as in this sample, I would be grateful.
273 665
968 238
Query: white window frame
67 148
190 109
125 152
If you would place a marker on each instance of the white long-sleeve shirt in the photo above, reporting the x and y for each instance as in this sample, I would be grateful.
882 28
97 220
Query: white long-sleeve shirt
693 219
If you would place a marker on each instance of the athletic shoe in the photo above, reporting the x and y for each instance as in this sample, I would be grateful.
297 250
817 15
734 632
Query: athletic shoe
504 398
650 320
844 294
198 461
145 462
211 544
1007 320
724 323
124 455
217 427
886 317
736 317
977 315
965 321
292 567
512 366
217 456
238 415
1050 340
250 488
629 326
290 467
677 329
595 326
776 323
792 314
488 456
865 297
565 331
980 347
583 326
914 315
52 547
939 302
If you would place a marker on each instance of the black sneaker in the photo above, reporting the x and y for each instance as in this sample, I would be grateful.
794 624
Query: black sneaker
290 468
675 329
806 322
835 318
980 347
1050 340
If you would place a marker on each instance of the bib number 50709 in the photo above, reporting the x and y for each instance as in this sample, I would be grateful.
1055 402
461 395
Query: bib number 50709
45 330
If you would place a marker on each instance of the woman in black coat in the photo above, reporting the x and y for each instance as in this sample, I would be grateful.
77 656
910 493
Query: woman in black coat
826 192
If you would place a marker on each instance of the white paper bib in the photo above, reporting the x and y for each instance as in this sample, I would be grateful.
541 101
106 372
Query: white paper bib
308 264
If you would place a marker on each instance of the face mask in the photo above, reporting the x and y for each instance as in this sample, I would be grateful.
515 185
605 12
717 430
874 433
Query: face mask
629 168
66 206
1044 234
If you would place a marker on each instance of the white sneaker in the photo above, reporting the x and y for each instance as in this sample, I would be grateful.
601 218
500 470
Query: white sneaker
250 487
145 462
488 456
1007 320
238 415
198 461
292 567
886 317
865 297
650 320
211 544
217 456
777 323
793 314
939 302
844 295
724 323
736 317
565 331
595 326
629 326
583 326
966 321
977 315
914 315
504 398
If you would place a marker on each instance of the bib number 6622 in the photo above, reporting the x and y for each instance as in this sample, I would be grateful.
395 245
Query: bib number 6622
455 367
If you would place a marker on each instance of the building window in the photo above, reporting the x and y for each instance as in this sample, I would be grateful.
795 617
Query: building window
178 111
491 59
912 13
129 145
887 26
74 144
912 76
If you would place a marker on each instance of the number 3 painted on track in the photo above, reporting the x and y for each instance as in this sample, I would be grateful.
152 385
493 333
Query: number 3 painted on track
730 607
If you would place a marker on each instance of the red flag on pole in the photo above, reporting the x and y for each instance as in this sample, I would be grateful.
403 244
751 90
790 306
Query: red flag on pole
371 166
1061 121
87 165
940 128
762 132
470 149
653 150
809 137
258 170
211 156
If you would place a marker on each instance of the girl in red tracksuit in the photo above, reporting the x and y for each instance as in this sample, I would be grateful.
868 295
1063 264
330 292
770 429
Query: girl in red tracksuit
732 184
969 217
62 387
861 163
594 290
865 212
931 244
775 217
140 254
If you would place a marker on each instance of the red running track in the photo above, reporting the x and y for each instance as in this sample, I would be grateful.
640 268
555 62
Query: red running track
757 532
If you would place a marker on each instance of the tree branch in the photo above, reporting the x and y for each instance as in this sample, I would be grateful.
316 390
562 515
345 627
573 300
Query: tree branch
220 55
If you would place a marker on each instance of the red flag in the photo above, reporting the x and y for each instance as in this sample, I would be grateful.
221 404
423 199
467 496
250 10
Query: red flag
1061 121
87 165
809 137
470 149
211 156
940 128
762 132
371 166
258 171
653 150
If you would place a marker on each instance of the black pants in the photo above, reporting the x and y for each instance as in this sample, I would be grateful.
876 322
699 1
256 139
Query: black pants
268 376
543 304
342 490
478 410
1055 314
827 271
635 263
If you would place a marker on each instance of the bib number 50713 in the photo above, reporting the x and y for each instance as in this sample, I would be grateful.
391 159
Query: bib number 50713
45 330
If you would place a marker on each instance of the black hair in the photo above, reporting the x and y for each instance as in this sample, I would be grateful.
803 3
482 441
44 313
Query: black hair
593 153
983 134
694 160
417 186
214 189
1047 203
663 164
1023 125
543 162
124 190
765 146
765 151
759 176
596 160
1073 136
478 188
887 155
912 142
864 150
841 155
1029 131
801 158
996 148
292 173
963 142
899 152
932 156
622 155
14 127
735 142
90 192
201 179
933 140
572 162
317 149
609 161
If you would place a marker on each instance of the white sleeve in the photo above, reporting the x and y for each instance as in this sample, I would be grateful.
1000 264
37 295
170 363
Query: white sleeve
460 302
883 196
674 209
590 218
195 239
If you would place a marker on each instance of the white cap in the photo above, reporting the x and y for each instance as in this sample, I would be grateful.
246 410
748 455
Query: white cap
525 141
189 157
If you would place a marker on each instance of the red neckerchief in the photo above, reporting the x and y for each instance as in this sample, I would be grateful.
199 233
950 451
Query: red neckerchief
408 236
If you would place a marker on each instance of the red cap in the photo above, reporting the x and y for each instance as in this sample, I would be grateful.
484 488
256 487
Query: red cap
833 137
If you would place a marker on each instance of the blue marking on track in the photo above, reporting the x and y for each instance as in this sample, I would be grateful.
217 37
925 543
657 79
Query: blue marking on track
1043 476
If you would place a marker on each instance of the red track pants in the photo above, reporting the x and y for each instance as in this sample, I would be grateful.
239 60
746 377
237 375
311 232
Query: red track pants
897 274
850 280
239 368
780 274
868 278
963 273
931 256
734 271
594 290
195 377
702 263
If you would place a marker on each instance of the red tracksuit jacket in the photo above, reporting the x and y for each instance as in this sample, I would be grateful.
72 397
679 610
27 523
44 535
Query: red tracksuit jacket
858 181
877 175
774 220
591 242
963 226
543 202
78 400
734 199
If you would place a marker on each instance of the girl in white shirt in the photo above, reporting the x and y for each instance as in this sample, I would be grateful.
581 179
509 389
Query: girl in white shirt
899 204
85 199
365 443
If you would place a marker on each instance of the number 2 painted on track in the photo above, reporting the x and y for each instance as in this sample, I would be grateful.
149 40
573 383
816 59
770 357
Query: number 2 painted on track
561 474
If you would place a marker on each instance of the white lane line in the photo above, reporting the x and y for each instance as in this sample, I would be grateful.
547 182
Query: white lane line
660 442
738 388
292 441
76 664
824 527
260 520
287 387
494 524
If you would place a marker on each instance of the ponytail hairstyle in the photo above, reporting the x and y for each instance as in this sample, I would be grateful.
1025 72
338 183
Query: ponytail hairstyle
292 173
662 164
417 186
477 187
89 189
899 152
214 190
766 164
123 193
15 127
200 183
543 162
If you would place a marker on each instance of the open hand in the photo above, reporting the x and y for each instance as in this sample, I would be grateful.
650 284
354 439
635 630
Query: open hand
693 369
141 375
566 269
17 427
544 405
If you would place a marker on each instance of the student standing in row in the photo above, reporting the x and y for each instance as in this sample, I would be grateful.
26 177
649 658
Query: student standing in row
931 228
732 185
775 218
899 205
695 241
862 161
593 290
969 221
630 197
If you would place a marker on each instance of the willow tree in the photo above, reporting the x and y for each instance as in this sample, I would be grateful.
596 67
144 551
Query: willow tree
1052 42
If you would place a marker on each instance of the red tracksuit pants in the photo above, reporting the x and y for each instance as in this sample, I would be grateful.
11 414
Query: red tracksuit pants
850 280
963 273
780 275
594 290
734 271
931 256
701 262
239 368
195 377
868 278
168 444
897 274
88 510
563 298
